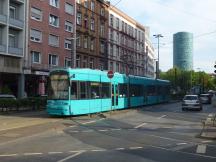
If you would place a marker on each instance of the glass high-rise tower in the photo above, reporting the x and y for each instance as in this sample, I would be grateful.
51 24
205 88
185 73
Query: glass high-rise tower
183 51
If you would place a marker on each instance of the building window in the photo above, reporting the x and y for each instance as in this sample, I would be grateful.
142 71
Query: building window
78 40
68 44
92 44
69 8
117 52
85 41
68 26
86 22
111 35
92 5
92 27
12 40
86 3
111 20
91 63
35 35
79 19
117 67
117 23
111 66
78 61
12 12
111 50
102 47
102 30
67 62
84 62
36 57
53 60
54 3
36 14
53 40
102 11
54 20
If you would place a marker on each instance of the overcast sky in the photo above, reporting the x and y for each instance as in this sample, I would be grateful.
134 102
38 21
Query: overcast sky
171 16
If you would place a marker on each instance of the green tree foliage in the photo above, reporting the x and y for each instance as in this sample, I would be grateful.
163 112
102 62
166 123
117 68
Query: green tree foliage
183 81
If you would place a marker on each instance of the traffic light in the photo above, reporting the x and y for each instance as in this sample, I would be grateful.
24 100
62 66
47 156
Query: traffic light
215 68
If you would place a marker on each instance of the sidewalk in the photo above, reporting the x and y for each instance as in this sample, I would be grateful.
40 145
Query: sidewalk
209 127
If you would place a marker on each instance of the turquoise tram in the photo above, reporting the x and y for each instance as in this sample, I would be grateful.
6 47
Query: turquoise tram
86 91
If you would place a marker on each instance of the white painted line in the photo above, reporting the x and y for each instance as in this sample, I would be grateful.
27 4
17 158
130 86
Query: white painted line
208 141
69 157
33 153
161 116
140 125
77 151
103 130
87 131
98 150
74 131
8 155
201 149
55 152
135 148
93 121
73 126
115 129
120 149
178 144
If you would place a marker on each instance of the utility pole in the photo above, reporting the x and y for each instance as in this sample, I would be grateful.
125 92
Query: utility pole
158 36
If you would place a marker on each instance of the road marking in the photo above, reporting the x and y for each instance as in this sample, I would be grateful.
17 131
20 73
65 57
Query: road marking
201 149
73 126
55 152
73 131
118 149
178 144
161 116
135 148
93 121
8 155
87 131
207 141
71 156
98 150
32 153
103 130
140 125
115 129
77 151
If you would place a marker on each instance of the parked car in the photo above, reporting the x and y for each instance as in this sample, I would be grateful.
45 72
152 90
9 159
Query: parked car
7 96
205 98
191 102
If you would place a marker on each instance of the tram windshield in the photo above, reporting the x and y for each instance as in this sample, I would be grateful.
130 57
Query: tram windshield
58 87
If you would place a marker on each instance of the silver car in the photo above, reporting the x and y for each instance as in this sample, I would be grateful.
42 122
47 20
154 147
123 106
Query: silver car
191 102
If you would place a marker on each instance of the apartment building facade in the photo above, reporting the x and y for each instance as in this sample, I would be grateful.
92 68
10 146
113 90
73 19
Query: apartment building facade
126 44
49 40
91 34
150 53
12 45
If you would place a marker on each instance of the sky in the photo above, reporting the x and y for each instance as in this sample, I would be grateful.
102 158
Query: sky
168 17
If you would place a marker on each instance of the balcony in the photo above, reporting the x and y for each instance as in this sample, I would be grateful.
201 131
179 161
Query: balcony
17 23
16 51
3 19
2 48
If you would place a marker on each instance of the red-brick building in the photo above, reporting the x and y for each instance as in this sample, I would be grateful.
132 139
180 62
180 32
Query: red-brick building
50 27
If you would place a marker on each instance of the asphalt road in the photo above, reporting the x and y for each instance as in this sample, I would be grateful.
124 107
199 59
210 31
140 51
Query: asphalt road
150 134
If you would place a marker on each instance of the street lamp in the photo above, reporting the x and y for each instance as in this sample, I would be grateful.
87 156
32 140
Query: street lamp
158 36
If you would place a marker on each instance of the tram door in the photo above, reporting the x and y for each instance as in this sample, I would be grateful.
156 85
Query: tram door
114 96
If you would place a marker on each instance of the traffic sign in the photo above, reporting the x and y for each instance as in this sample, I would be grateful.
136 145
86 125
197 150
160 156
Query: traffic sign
110 74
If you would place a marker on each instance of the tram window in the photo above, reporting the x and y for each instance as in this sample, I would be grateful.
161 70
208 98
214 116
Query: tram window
83 90
73 90
105 90
95 90
151 90
135 90
122 90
